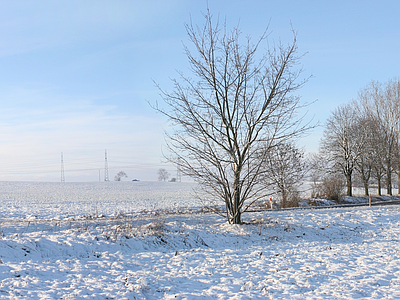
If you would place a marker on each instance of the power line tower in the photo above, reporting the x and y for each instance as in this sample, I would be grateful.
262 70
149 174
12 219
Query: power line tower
178 172
106 167
62 168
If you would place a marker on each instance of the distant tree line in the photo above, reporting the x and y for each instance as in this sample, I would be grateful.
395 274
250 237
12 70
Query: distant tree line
361 141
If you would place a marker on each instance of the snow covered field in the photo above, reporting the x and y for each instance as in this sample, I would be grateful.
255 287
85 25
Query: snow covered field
57 253
56 200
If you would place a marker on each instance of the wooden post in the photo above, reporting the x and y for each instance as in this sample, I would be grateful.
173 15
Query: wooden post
370 200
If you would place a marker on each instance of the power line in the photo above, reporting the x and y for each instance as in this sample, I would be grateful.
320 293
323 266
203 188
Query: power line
47 165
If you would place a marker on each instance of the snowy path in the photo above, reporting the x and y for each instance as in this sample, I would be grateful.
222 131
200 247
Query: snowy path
321 254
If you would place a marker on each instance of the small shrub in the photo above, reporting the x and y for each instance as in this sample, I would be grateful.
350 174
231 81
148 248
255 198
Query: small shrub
332 187
292 199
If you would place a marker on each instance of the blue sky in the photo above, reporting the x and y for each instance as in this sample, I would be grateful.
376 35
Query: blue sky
75 76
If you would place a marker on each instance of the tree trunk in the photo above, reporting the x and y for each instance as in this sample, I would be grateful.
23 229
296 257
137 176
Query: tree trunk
389 188
349 185
379 186
284 196
398 181
365 178
236 210
236 201
366 189
389 181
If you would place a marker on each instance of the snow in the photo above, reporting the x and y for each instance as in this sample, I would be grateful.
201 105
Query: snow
52 200
332 253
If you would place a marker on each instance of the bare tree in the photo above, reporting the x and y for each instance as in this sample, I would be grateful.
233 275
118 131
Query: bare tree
364 167
372 159
378 154
286 171
317 170
238 103
392 92
342 142
366 127
163 175
120 175
379 173
382 103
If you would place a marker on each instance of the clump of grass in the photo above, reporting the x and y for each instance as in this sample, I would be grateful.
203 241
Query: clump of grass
127 230
155 228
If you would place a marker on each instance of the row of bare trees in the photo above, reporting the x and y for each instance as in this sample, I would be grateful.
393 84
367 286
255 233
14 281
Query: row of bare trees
235 121
361 138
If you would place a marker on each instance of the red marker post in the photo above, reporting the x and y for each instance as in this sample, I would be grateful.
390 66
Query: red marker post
270 201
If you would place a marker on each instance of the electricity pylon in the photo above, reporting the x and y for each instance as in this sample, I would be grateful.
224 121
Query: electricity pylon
62 168
106 168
